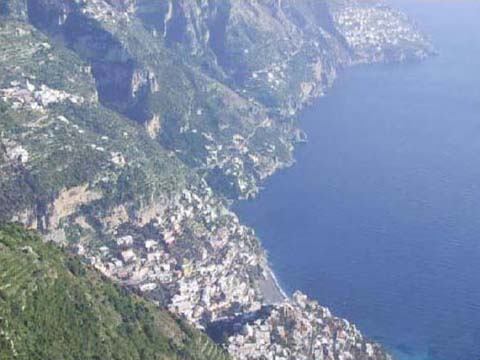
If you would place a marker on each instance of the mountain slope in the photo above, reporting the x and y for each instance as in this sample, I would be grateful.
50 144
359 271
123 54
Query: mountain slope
219 82
53 307
88 177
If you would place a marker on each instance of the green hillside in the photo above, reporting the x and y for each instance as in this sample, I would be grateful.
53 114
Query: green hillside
53 307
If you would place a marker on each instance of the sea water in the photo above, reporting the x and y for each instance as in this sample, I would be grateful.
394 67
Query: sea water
379 219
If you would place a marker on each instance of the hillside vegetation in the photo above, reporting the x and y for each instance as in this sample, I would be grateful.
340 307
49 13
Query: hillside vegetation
53 307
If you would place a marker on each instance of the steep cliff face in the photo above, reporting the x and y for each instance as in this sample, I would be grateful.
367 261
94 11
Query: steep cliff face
210 72
126 124
226 39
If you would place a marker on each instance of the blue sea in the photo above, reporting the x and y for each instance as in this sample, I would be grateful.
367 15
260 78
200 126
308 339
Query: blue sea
379 219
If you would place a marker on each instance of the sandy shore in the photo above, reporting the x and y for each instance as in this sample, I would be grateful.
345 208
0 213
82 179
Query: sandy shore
271 288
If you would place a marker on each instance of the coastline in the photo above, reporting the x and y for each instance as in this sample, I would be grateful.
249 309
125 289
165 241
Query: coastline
271 289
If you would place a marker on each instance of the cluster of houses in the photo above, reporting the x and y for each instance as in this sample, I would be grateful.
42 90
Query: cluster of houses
103 11
372 30
275 75
214 282
27 96
301 329
243 160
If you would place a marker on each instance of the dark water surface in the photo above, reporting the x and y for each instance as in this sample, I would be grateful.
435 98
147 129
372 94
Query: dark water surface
380 217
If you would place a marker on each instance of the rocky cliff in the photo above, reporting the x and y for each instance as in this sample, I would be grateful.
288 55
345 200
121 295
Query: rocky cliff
127 126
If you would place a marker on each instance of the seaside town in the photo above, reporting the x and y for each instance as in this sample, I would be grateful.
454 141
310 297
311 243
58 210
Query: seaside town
375 32
214 282
301 329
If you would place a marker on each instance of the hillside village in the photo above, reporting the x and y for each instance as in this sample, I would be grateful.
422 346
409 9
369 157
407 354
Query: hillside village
375 31
216 283
29 97
301 329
